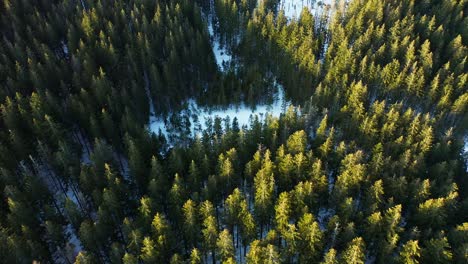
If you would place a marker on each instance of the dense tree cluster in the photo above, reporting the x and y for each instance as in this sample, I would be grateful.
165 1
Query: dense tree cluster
367 169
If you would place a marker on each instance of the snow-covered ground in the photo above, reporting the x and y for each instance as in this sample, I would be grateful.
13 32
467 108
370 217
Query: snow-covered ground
60 190
65 48
74 244
331 182
323 216
293 8
221 53
198 115
465 152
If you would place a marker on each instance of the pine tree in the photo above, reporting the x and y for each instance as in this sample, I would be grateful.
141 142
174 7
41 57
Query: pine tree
437 250
283 214
296 143
262 253
271 255
285 169
410 253
191 224
84 258
457 239
248 226
263 202
233 209
224 246
162 238
310 237
149 252
254 255
146 210
195 257
321 130
386 122
330 257
354 252
327 146
176 198
352 173
129 259
374 197
134 241
226 174
158 184
194 176
136 165
210 235
176 259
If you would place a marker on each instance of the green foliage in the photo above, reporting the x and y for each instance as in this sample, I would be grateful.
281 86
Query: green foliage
373 146
410 253
224 246
354 252
296 143
310 237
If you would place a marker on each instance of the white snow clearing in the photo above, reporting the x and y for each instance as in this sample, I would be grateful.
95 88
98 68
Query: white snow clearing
293 8
198 116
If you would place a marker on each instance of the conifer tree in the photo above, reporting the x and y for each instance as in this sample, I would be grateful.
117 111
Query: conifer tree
410 253
330 257
310 236
210 235
195 257
354 252
191 223
224 246
263 202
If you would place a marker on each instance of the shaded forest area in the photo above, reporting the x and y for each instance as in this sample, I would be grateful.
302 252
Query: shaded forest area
367 166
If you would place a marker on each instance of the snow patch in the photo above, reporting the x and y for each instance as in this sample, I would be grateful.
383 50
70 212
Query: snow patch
465 152
403 221
331 182
65 48
158 125
85 159
293 8
71 195
221 53
74 245
324 214
195 118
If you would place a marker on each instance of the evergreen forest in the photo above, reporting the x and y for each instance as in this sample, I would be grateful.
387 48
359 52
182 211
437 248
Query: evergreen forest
104 160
